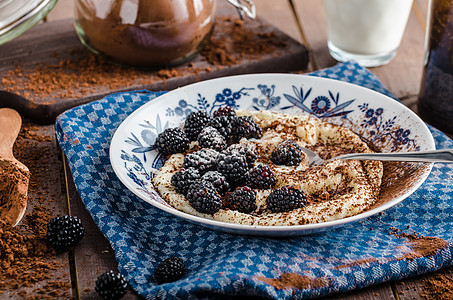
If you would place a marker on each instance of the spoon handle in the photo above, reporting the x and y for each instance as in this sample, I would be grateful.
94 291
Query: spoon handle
444 155
10 123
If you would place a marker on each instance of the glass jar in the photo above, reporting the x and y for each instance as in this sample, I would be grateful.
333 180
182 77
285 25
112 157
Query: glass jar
144 33
435 103
17 16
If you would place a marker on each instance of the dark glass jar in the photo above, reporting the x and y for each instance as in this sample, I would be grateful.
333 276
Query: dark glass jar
144 33
435 103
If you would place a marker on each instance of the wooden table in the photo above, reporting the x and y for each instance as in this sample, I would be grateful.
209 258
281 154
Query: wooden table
306 24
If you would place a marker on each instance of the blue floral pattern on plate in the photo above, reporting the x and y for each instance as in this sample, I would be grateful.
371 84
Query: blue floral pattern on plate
373 116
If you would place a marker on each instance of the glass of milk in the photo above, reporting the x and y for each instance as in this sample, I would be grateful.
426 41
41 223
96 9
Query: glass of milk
367 31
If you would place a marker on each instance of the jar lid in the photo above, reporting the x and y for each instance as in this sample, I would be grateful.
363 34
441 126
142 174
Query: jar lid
17 16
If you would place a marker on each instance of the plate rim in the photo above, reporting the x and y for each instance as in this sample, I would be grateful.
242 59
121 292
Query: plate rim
262 229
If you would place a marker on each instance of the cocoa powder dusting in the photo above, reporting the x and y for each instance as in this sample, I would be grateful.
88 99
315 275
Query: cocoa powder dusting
295 281
417 246
80 73
29 268
421 246
397 179
437 287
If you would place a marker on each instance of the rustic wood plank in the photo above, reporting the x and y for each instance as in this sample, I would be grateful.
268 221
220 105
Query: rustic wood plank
88 253
93 255
54 42
419 287
380 291
36 147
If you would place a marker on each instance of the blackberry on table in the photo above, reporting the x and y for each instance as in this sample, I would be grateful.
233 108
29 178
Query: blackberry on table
111 285
245 127
242 199
217 180
204 198
247 150
203 160
171 141
224 111
260 177
285 199
209 137
223 124
64 232
233 166
184 178
287 153
169 270
194 123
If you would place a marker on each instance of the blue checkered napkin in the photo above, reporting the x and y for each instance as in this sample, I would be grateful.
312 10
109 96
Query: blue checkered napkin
220 263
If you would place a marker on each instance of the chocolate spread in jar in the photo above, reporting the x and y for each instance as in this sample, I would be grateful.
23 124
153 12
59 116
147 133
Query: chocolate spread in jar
145 33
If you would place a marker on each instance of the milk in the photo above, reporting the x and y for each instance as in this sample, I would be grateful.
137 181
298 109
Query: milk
366 27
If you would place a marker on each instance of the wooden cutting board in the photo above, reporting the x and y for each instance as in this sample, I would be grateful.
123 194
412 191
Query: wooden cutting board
55 46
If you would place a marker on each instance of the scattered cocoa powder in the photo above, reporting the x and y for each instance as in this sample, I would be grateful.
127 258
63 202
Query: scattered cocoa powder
29 269
421 246
79 73
294 280
236 42
26 260
437 287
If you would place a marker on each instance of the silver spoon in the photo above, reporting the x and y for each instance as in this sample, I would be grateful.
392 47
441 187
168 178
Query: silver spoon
444 155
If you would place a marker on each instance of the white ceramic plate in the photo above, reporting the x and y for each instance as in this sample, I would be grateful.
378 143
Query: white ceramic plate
378 119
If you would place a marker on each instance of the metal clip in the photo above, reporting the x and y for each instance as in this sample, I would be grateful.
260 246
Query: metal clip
248 8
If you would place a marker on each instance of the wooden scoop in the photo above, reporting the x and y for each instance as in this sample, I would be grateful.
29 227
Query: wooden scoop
14 176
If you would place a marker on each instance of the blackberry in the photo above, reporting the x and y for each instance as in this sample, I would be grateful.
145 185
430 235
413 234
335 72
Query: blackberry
260 177
209 137
248 150
224 111
203 160
245 127
287 153
242 199
111 285
194 123
64 232
285 198
184 178
204 198
170 270
217 180
223 124
172 140
233 166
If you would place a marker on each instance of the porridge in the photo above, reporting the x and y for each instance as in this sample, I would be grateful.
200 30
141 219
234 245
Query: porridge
248 168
